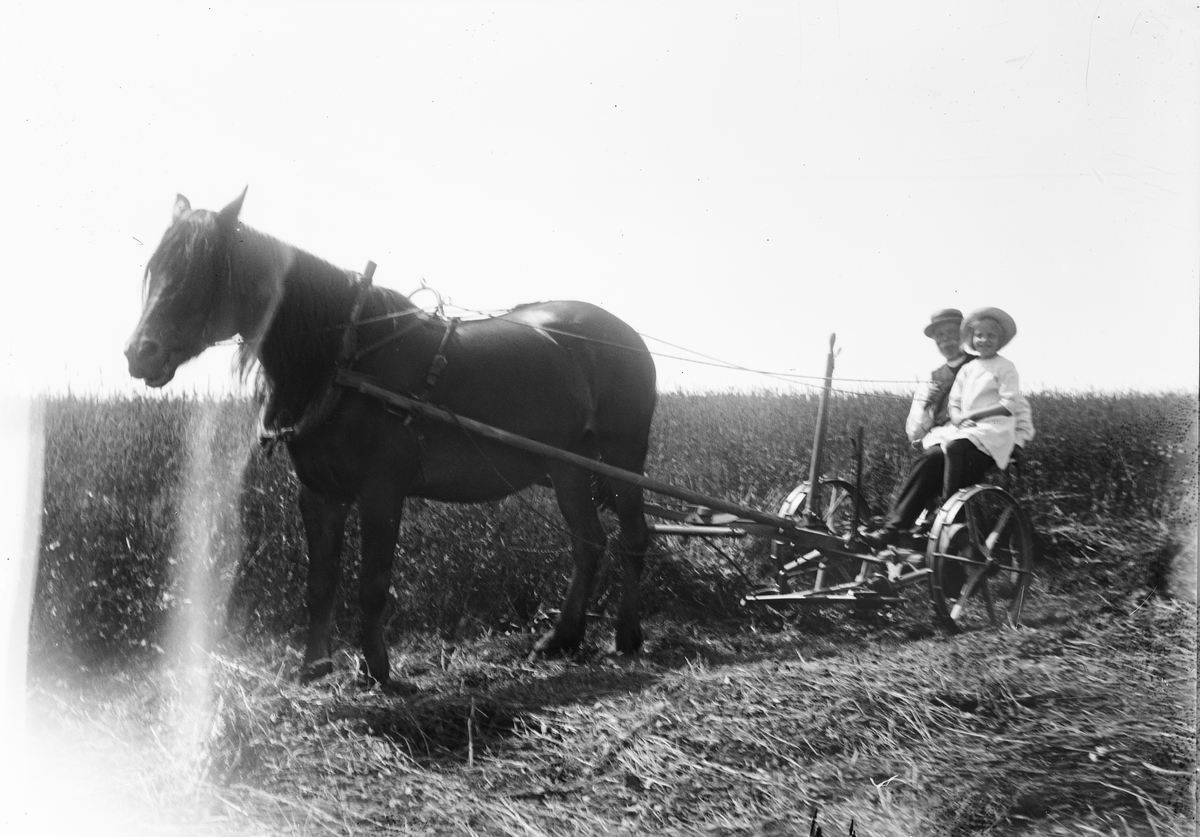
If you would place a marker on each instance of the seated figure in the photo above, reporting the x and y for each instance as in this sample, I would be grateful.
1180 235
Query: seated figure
969 417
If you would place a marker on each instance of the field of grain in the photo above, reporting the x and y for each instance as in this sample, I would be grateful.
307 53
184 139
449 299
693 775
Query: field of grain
162 512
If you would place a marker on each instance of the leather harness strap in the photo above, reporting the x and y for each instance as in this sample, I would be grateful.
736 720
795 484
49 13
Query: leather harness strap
350 336
269 437
349 355
439 361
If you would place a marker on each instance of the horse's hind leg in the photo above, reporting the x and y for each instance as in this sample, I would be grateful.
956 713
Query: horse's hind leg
632 542
573 488
324 528
380 510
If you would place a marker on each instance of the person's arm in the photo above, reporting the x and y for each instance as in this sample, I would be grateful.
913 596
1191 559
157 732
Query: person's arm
920 414
954 403
1023 421
1009 385
976 415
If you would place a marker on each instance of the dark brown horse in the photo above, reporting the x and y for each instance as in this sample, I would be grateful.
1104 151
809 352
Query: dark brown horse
564 373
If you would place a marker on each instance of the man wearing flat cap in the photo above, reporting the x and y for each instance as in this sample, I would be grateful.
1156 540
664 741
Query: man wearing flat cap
929 407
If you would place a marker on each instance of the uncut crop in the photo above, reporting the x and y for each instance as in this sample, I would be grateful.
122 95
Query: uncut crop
120 502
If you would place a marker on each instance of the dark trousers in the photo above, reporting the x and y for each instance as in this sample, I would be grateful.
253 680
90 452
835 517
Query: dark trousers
937 474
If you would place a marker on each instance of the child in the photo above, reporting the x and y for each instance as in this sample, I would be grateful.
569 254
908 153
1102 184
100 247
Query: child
987 417
983 402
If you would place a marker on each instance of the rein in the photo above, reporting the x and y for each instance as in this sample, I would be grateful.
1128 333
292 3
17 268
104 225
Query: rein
350 354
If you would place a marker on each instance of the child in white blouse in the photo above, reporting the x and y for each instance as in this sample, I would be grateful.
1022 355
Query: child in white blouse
988 417
983 402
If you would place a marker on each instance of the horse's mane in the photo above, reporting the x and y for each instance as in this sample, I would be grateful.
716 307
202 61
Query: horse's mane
294 353
294 356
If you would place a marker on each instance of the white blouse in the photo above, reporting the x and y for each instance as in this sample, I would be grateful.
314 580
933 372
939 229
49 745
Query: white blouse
981 384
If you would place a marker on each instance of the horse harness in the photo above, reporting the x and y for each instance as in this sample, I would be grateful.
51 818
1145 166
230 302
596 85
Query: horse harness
350 354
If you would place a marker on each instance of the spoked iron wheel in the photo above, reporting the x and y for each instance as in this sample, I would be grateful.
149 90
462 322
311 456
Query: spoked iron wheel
981 554
837 516
837 505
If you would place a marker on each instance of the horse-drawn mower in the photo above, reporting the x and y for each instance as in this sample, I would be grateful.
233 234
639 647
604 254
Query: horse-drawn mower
974 552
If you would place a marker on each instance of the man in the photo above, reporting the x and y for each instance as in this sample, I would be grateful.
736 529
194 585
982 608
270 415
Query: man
928 424
929 413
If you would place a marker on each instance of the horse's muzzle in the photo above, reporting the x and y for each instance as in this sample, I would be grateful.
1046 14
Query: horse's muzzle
149 360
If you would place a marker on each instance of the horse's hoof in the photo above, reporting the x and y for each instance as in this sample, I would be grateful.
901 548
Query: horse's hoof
551 646
315 670
618 657
370 678
542 650
398 688
629 644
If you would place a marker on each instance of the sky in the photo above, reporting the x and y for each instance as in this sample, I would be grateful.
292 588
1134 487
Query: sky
739 180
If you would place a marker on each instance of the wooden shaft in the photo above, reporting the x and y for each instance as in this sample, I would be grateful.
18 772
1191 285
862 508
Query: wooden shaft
858 465
368 386
812 503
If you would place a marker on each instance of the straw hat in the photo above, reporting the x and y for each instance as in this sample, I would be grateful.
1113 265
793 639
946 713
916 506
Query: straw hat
946 315
1007 325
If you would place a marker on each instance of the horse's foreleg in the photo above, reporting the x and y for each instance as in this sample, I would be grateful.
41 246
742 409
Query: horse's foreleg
324 527
573 488
380 511
631 547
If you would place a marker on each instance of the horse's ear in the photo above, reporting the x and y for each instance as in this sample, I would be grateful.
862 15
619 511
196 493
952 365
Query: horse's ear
182 205
227 217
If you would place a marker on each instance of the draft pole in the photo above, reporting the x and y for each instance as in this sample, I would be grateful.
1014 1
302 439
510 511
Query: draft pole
812 503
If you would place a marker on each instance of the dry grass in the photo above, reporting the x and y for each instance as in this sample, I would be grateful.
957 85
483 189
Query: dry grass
730 723
1082 723
117 480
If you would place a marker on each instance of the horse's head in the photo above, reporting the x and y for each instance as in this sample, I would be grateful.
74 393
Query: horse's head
188 295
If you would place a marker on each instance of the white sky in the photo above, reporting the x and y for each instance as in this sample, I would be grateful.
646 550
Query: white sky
741 179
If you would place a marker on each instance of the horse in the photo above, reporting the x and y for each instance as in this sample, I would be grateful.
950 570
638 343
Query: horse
566 373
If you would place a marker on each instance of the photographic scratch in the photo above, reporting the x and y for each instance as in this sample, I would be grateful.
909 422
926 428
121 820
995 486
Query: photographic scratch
135 238
1087 70
1022 58
1161 188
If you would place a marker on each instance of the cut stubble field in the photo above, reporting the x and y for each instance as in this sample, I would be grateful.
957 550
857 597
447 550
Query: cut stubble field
164 512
